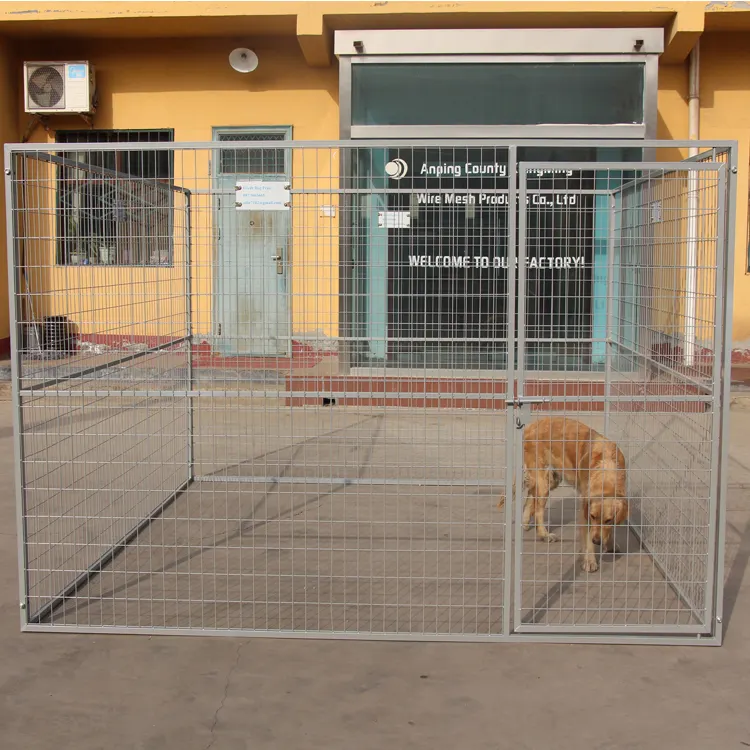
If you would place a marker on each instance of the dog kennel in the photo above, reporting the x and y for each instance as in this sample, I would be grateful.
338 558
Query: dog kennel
278 388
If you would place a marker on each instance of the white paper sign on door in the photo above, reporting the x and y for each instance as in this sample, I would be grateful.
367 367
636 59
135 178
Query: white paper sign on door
257 195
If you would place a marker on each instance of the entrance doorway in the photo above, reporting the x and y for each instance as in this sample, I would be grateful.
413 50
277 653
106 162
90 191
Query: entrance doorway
432 258
430 247
251 308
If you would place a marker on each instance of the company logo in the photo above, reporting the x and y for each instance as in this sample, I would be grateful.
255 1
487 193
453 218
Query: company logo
397 169
76 71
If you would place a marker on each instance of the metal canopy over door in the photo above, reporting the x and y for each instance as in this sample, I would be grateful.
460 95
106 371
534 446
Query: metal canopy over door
251 311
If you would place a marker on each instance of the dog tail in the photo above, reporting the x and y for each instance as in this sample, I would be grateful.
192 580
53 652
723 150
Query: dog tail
502 498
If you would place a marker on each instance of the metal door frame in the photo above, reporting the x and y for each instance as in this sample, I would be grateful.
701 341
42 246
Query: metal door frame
216 182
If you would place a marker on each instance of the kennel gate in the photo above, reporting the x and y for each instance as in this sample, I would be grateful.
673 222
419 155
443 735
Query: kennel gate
349 489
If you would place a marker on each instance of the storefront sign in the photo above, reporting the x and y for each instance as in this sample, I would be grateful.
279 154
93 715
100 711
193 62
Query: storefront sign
562 263
467 169
496 199
262 196
397 169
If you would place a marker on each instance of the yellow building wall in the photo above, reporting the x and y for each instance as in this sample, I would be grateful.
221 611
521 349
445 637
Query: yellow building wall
665 249
189 86
725 114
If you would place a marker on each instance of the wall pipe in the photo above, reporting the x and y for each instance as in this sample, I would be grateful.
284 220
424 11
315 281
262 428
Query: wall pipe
691 255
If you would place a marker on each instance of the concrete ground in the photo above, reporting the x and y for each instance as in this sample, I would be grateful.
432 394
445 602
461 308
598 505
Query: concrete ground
155 693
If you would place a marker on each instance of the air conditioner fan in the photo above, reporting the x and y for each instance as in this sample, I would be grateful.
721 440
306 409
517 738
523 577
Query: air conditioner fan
46 86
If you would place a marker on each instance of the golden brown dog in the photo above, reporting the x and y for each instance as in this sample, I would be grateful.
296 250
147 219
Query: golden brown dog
557 449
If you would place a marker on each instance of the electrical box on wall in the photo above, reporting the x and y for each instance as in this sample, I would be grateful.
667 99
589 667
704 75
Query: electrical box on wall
59 87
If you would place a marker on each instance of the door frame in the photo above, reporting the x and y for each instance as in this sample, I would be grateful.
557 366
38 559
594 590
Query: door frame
216 177
523 403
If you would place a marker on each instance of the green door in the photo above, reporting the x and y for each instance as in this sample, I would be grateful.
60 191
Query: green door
251 307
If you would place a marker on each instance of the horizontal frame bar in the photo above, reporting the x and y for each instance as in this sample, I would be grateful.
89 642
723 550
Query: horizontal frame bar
666 629
631 166
444 395
579 637
435 191
344 481
394 143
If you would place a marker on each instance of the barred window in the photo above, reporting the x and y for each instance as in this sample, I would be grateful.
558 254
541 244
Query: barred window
115 207
257 161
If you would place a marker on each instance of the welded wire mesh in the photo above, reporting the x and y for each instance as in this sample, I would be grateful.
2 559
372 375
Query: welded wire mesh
672 242
655 246
268 389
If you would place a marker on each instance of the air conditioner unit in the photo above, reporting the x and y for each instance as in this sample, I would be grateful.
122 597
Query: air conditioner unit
58 87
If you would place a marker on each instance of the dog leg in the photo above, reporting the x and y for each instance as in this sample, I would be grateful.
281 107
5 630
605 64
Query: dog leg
528 510
589 563
540 505
501 504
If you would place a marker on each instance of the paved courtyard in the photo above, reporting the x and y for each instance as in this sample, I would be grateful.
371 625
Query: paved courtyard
229 693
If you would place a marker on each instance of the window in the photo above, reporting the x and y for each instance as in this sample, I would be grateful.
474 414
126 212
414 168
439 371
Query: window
115 207
255 161
497 93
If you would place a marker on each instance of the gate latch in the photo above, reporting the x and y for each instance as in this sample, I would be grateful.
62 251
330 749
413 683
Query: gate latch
524 404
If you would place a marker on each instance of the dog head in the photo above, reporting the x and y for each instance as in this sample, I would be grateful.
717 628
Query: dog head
605 498
603 514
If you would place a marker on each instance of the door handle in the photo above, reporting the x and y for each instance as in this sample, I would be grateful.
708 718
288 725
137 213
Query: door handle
279 263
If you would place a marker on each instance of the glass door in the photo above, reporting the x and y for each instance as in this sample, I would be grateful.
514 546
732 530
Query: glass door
431 259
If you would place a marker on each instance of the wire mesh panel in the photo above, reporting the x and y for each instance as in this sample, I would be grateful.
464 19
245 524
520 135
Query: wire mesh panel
323 497
280 388
633 541
100 303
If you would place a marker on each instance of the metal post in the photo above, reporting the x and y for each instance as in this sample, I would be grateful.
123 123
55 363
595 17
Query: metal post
723 365
189 334
691 270
719 308
691 260
16 337
346 282
516 435
510 438
608 336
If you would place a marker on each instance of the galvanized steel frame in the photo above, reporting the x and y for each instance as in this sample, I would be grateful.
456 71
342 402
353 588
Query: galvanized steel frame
727 170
